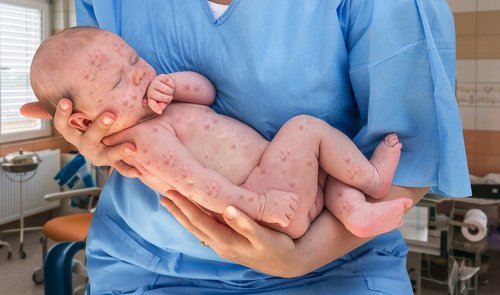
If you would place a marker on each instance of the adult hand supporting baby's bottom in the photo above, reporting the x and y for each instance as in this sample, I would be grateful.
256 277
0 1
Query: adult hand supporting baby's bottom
243 240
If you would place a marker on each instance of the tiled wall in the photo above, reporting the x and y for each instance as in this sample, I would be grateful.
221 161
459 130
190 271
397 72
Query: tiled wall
477 24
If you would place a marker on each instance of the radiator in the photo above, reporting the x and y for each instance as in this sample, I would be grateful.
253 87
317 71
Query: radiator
34 189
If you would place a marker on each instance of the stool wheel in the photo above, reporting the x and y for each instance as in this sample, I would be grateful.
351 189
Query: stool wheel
37 276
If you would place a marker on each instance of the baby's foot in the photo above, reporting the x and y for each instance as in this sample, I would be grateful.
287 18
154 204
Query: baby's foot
385 159
371 219
278 207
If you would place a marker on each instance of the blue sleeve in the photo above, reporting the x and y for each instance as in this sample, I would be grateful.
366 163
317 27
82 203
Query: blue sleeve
85 13
402 70
103 14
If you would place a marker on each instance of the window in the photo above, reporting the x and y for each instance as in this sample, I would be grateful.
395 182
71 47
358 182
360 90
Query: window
23 26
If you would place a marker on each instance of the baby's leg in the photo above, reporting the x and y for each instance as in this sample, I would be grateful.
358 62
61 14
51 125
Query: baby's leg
361 218
340 158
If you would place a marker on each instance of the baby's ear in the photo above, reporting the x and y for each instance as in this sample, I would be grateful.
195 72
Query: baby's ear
80 121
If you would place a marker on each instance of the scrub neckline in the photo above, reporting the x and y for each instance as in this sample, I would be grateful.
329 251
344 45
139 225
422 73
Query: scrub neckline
221 19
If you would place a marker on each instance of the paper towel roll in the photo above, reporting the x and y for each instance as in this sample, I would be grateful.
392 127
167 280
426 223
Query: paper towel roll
478 219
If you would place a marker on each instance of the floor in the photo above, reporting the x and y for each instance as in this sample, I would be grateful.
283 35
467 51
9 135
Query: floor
16 274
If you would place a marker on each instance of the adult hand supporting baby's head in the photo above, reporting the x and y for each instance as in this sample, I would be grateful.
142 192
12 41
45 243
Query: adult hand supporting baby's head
89 143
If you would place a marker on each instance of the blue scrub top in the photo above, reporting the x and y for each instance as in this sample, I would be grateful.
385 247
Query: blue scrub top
366 67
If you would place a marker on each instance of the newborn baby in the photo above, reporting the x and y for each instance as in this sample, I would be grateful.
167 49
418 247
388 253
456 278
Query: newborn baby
212 159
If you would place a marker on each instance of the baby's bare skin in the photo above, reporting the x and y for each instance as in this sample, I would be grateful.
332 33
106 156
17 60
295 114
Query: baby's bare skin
290 163
215 160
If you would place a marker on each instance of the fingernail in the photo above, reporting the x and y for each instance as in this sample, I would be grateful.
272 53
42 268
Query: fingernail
231 212
129 151
163 200
64 105
107 120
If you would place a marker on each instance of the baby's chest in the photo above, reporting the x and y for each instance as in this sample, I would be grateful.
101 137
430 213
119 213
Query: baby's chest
218 142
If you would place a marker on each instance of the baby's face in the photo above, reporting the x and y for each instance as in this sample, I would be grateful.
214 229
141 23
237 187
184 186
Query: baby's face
110 76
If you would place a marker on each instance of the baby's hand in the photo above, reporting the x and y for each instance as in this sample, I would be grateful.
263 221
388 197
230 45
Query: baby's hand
160 93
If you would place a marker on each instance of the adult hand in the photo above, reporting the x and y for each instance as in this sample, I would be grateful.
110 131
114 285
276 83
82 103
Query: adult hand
242 240
89 143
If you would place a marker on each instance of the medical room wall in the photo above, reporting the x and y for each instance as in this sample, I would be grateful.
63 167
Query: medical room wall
477 24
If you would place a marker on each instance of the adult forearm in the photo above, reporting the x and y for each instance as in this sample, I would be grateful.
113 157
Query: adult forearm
328 239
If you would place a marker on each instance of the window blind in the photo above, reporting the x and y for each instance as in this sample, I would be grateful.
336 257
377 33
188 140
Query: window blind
21 32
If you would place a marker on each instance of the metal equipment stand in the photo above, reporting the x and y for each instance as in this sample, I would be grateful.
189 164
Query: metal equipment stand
19 177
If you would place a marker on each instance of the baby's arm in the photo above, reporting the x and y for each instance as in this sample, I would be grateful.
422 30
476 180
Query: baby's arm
180 86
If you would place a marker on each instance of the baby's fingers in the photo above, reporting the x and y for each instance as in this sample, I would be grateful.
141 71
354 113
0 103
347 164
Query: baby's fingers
153 105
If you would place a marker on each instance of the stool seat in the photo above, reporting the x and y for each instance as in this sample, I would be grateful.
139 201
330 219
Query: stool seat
68 228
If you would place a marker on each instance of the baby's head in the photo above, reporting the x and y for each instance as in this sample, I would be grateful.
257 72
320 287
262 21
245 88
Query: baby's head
97 70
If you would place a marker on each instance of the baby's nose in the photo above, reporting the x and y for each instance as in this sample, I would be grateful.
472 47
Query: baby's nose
137 76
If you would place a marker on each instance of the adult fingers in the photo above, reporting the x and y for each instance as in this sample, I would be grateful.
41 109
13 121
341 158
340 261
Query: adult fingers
61 116
96 132
256 234
126 170
119 152
35 110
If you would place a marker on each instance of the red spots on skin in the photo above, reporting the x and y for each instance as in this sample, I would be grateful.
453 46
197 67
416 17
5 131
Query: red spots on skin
301 127
309 163
96 58
148 162
168 159
183 173
187 87
211 189
197 87
241 197
155 129
233 146
85 74
282 156
144 148
291 184
250 199
283 172
205 156
125 103
263 171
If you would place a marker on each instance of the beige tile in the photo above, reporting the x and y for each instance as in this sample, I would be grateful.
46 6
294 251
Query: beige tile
468 117
488 47
488 70
483 5
465 23
462 5
466 47
488 118
466 94
488 22
466 70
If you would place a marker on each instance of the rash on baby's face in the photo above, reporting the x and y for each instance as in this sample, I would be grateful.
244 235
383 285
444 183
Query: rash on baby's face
111 77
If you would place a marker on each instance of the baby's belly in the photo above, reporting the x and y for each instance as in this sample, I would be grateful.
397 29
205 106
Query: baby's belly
216 141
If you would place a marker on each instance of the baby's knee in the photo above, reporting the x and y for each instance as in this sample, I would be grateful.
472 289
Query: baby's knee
303 122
